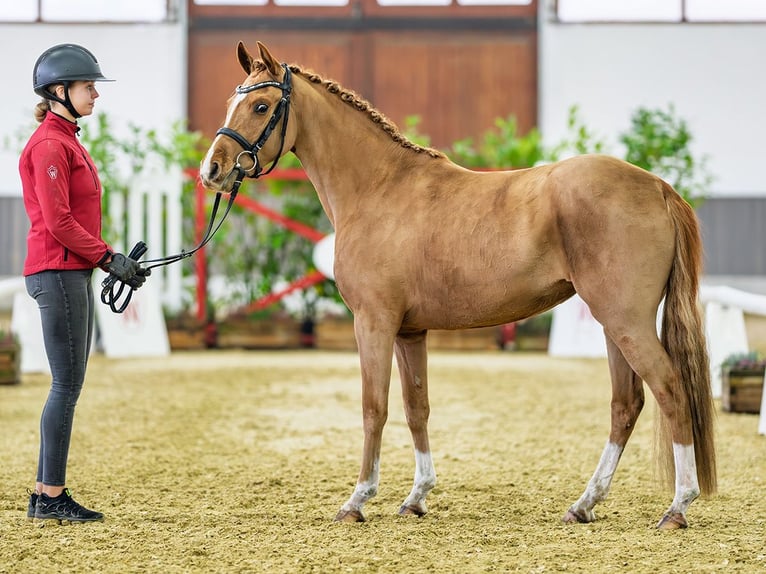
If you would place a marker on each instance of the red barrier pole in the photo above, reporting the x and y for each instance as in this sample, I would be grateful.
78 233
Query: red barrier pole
200 261
306 281
295 226
290 174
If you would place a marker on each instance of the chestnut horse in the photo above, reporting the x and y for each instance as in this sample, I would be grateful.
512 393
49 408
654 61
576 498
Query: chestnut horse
422 243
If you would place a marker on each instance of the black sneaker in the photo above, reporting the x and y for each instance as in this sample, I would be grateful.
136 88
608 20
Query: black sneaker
64 509
32 504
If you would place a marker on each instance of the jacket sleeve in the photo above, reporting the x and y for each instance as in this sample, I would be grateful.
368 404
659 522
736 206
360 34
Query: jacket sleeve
52 177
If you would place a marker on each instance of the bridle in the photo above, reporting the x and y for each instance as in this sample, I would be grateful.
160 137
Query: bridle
282 112
109 296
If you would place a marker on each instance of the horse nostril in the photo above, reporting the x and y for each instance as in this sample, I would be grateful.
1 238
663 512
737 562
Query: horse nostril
215 169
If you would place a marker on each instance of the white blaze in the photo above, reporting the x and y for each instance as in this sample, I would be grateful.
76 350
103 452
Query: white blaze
205 167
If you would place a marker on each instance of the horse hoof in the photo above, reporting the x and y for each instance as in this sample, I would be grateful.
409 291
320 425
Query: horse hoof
575 517
672 521
411 510
349 516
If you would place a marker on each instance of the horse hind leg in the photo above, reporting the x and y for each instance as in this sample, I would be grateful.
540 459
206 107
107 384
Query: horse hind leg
653 365
411 358
627 403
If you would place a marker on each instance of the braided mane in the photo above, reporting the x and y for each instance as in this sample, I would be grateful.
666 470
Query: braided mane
363 105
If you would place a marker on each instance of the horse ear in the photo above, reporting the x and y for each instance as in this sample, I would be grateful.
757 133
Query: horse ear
271 64
245 59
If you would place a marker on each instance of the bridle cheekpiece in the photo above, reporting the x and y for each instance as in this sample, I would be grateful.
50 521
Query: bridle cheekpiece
282 112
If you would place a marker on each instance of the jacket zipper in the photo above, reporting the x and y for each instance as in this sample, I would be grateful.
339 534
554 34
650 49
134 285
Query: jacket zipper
66 253
90 167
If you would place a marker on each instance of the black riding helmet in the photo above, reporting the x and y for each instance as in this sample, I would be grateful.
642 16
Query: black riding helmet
63 64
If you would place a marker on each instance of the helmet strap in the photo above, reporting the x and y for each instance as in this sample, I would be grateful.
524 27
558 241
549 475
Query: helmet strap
66 102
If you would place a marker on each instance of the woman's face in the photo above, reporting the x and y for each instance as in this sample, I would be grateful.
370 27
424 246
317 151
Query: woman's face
82 94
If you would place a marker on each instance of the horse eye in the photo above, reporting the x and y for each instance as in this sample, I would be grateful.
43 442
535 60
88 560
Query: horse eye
261 108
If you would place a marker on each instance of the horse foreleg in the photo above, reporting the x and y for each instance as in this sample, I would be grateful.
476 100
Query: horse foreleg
411 357
627 403
375 355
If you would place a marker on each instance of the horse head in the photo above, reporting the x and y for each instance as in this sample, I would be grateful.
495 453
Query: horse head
257 129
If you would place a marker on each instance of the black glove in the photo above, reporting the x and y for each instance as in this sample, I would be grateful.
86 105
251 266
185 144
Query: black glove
127 270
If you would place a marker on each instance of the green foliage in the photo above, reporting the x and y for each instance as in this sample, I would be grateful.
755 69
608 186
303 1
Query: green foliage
750 361
255 254
580 139
412 133
502 147
141 150
659 141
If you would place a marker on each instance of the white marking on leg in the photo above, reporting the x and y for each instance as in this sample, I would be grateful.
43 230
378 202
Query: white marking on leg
687 487
365 490
599 484
425 480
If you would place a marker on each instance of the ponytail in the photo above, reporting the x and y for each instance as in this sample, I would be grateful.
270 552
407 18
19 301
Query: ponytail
41 109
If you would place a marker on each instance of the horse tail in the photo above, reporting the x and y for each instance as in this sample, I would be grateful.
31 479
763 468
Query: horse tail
684 340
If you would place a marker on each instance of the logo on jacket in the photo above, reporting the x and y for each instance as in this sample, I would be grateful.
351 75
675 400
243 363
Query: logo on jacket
53 172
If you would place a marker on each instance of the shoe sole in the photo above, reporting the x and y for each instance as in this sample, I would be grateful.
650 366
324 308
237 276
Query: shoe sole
42 522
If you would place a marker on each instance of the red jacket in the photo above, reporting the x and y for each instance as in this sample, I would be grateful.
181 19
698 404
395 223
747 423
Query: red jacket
62 196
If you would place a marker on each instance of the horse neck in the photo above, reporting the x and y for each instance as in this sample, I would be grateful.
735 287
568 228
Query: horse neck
341 149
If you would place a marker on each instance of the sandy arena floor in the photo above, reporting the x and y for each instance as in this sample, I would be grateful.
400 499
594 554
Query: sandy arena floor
238 461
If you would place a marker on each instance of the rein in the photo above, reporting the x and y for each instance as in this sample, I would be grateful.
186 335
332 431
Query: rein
112 287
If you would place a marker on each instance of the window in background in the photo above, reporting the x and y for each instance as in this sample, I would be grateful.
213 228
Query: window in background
231 2
494 2
619 10
311 2
18 11
576 11
729 11
83 11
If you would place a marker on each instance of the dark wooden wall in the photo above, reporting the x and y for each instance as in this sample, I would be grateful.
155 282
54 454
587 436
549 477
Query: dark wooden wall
458 68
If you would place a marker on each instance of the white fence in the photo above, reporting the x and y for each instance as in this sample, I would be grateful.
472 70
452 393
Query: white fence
154 216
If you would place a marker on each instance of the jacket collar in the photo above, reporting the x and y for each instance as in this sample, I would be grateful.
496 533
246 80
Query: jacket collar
61 123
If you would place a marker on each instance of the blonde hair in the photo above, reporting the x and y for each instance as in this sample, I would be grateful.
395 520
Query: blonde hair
41 109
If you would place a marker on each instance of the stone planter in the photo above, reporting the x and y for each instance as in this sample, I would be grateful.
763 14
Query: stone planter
741 390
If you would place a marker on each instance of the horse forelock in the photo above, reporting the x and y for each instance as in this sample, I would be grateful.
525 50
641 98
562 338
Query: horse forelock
362 105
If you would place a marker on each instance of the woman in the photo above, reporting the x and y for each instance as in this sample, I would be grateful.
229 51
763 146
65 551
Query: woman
62 196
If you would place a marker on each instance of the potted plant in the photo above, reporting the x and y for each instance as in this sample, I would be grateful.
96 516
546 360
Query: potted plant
10 357
742 377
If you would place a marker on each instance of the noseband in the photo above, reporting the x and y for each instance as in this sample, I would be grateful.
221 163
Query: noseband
282 111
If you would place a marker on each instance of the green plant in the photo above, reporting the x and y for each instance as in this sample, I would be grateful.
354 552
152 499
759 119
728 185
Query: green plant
412 133
256 254
580 140
752 361
8 338
501 147
660 141
122 160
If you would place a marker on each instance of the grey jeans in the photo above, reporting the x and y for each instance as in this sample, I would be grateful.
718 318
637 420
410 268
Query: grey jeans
65 299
